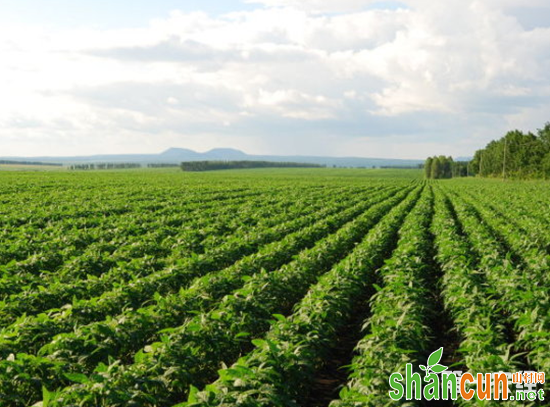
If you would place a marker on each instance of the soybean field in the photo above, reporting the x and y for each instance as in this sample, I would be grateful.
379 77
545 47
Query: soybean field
287 287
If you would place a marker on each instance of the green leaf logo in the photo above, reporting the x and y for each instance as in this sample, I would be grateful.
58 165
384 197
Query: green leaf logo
438 368
433 363
435 357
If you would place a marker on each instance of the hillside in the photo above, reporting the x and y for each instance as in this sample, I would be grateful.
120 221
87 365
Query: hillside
177 155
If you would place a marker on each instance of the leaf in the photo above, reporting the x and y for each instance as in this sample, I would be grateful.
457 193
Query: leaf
139 357
438 368
193 391
422 367
377 287
77 377
46 397
435 357
279 317
260 343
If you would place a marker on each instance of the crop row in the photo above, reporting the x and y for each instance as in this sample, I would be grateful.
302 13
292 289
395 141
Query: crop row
118 333
521 282
483 337
26 363
397 331
189 354
122 335
281 369
144 275
71 234
29 333
61 262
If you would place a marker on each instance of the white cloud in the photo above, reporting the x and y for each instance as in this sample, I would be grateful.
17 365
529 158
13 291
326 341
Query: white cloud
319 6
426 76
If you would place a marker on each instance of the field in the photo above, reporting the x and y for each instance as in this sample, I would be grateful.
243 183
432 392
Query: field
287 287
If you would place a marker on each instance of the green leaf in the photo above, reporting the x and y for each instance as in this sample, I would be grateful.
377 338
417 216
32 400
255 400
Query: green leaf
193 391
46 397
260 343
102 367
435 357
438 368
279 317
422 367
139 357
77 377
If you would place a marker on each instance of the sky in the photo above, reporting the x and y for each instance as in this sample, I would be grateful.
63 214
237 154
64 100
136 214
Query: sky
366 78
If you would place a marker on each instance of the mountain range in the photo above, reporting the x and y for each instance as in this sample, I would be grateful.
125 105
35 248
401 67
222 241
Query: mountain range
177 155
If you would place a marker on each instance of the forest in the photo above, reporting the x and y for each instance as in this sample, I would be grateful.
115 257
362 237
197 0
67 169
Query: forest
517 155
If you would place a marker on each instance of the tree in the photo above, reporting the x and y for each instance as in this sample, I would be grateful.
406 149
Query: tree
436 168
428 167
447 167
516 155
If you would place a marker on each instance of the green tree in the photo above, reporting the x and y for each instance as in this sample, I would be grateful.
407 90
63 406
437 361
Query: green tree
447 167
428 167
436 168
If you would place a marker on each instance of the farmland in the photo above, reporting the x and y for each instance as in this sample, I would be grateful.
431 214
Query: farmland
287 287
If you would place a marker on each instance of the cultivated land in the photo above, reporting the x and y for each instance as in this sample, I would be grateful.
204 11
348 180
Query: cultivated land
287 287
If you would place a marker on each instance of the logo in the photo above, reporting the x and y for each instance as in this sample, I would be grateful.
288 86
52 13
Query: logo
438 383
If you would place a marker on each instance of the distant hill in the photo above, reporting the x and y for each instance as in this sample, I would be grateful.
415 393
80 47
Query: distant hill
177 155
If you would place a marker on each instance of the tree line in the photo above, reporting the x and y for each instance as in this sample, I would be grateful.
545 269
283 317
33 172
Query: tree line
104 166
516 155
439 167
229 165
162 165
10 162
398 167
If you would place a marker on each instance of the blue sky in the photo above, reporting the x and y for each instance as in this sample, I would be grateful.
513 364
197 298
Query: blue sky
370 78
107 13
113 14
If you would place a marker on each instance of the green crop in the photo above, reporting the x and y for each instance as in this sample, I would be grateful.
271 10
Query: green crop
264 288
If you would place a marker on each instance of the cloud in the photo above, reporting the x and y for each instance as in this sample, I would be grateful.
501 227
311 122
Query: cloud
353 77
330 6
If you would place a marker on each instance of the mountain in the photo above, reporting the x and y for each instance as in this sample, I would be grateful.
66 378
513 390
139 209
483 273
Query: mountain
225 154
174 152
177 155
